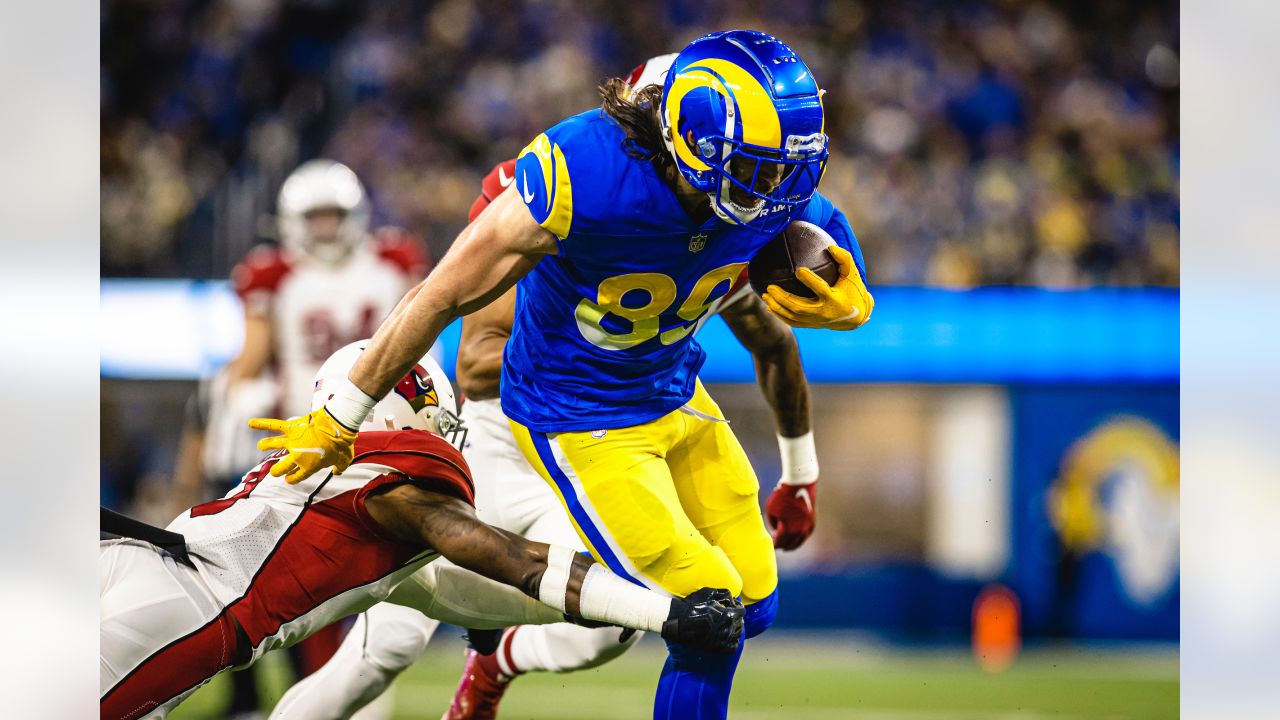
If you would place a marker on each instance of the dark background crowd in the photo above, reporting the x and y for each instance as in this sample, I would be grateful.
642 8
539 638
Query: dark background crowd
1003 142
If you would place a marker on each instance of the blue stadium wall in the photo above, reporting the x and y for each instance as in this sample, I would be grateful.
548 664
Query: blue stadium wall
1074 363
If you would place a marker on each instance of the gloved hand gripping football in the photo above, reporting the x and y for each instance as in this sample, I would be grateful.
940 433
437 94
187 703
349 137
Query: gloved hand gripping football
843 306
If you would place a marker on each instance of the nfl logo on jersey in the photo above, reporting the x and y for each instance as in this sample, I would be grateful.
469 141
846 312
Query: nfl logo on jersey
697 242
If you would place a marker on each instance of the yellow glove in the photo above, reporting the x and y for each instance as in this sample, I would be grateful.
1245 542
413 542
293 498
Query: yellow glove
843 306
315 441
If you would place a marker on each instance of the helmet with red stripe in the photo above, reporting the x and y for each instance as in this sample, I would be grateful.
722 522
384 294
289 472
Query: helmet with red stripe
650 72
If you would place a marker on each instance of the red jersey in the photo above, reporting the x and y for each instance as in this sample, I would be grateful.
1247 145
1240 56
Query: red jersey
287 560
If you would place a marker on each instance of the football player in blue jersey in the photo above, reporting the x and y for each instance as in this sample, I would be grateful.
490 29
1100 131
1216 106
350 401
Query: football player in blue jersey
623 226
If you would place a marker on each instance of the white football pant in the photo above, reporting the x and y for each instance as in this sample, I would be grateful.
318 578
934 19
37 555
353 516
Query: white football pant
509 495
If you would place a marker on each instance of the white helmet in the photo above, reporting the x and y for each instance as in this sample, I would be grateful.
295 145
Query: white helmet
422 400
652 72
320 185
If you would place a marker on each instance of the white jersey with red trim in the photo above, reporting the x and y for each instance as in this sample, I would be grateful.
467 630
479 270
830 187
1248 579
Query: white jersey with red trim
317 308
286 560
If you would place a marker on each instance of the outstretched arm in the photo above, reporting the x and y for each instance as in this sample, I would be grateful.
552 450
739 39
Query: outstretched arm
490 255
777 358
566 580
449 525
791 508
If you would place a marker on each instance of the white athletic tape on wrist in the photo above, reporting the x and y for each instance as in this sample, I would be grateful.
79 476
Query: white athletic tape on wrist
349 404
799 459
608 598
555 579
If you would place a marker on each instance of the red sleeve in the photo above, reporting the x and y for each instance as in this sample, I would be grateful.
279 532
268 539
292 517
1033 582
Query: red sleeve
425 458
402 249
740 288
494 183
258 276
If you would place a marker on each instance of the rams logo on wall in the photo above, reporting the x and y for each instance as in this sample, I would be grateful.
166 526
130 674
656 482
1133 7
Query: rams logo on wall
1117 493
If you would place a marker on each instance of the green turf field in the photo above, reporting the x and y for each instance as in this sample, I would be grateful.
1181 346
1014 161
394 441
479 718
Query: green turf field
803 676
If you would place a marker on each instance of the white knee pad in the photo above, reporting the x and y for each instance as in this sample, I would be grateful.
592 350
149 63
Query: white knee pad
606 644
395 636
566 648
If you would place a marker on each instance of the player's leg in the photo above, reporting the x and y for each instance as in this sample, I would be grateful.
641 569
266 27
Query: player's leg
389 638
561 647
621 497
313 651
718 490
622 501
244 693
441 590
385 640
162 633
510 495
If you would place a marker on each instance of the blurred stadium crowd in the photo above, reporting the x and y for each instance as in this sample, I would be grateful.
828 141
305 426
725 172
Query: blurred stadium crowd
973 143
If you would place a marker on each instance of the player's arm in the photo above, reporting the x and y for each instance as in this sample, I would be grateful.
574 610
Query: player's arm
188 472
486 260
256 280
777 359
848 303
791 508
255 354
484 335
485 331
568 581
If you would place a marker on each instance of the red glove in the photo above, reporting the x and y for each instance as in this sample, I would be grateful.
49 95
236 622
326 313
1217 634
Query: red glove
790 511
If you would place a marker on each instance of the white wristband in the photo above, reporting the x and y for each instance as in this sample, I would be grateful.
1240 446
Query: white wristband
608 598
349 404
555 579
799 459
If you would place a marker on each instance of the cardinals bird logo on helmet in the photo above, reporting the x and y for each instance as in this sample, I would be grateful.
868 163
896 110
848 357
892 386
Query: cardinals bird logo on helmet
422 400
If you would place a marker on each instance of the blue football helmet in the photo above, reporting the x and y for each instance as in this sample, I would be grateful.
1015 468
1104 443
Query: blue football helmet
742 118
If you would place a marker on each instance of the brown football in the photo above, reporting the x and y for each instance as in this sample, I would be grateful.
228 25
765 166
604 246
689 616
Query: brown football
802 244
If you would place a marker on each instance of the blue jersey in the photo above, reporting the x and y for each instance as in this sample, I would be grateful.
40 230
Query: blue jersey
603 333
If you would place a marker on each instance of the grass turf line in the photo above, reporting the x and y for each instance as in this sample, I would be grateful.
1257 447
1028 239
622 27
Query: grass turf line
795 676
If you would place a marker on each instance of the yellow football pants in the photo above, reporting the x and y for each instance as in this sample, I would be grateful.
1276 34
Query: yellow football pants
670 504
